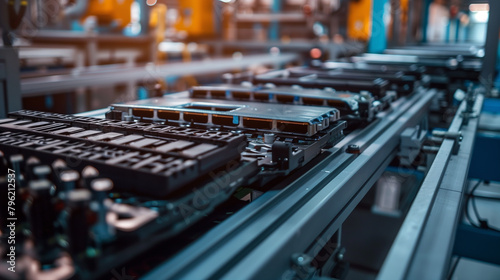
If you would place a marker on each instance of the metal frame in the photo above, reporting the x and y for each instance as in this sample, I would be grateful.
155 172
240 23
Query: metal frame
259 241
422 249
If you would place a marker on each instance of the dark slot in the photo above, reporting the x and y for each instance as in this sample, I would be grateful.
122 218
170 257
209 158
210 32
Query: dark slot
293 127
285 98
257 123
195 117
223 120
261 96
218 94
339 104
241 95
312 101
143 113
168 115
199 93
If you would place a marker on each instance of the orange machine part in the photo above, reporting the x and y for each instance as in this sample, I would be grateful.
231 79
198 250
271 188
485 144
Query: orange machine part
107 11
196 17
359 19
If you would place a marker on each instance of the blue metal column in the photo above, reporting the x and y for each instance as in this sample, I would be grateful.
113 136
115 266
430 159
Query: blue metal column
144 17
274 28
457 29
485 162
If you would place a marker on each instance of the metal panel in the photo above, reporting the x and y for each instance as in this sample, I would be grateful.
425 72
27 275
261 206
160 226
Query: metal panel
259 244
12 93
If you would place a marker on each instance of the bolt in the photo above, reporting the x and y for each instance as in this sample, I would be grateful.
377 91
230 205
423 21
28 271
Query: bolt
340 256
301 259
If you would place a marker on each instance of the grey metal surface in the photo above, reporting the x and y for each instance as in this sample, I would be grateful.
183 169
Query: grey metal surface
61 36
437 61
423 51
258 244
334 49
100 76
409 38
432 257
433 215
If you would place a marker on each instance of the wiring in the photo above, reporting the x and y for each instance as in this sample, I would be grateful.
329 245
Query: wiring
483 223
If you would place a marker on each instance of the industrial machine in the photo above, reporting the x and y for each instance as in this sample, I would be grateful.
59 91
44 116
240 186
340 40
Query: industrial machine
250 179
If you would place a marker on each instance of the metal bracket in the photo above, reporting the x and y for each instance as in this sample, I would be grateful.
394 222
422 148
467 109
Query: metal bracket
412 140
10 91
455 136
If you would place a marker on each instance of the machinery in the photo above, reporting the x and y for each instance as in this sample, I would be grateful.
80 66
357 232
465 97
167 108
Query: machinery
258 175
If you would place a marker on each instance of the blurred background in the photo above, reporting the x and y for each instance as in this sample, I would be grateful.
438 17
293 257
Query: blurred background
73 53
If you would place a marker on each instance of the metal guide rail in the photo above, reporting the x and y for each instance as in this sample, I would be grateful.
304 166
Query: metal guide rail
278 118
376 86
418 71
439 51
423 246
440 61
